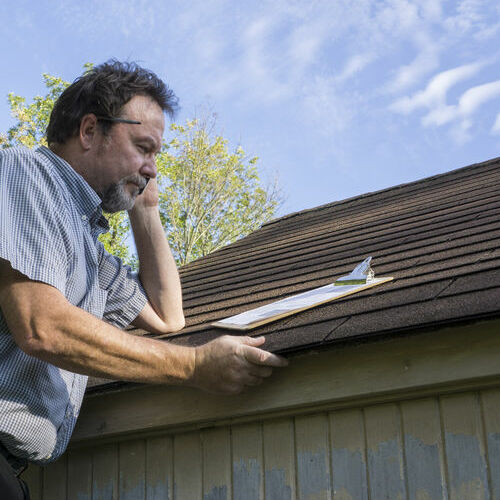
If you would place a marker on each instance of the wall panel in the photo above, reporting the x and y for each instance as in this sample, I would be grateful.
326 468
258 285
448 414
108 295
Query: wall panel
432 448
490 400
188 475
105 470
465 448
385 452
132 471
248 465
312 457
423 447
348 455
279 460
216 445
159 468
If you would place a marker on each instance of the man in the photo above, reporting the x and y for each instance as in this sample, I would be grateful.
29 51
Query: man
63 299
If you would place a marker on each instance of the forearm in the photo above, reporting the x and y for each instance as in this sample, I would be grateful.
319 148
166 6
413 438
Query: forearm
72 339
101 350
157 267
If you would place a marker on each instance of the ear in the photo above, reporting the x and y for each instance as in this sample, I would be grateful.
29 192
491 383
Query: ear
88 131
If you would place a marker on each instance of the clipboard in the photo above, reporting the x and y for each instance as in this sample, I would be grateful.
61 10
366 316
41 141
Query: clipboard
360 279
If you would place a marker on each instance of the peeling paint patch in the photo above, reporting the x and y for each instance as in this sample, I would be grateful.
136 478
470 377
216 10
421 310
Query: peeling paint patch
349 474
466 467
103 491
216 493
385 471
422 495
134 492
313 474
276 487
423 469
246 479
494 460
157 491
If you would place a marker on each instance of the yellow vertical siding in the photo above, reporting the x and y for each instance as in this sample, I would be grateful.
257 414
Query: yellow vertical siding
216 458
348 455
279 460
247 462
105 467
159 468
423 449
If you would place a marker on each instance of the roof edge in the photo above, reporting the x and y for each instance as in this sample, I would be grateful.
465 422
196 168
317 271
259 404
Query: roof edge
374 193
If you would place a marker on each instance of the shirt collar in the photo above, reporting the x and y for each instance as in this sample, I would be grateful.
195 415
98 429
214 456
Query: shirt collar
86 199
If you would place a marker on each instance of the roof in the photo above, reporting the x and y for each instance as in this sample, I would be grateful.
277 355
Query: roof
439 237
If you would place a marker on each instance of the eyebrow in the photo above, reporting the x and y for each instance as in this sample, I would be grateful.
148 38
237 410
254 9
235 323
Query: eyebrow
151 141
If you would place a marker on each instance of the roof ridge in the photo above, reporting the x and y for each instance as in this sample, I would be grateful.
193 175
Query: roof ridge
384 190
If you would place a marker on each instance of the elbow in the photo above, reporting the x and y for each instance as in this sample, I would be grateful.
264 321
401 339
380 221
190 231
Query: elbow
36 342
174 325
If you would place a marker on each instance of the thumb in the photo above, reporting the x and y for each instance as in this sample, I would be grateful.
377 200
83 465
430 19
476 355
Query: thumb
253 341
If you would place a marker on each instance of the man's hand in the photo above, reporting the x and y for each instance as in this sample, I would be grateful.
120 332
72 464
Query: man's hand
229 364
148 198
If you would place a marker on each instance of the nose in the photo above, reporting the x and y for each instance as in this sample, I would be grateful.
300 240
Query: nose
149 169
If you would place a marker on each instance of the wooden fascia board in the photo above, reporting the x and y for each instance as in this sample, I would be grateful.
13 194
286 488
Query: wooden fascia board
449 359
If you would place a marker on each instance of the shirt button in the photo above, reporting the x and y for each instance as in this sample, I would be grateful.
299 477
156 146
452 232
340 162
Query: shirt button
84 218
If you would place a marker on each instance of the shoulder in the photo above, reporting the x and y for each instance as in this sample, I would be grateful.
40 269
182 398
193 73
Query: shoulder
24 170
21 158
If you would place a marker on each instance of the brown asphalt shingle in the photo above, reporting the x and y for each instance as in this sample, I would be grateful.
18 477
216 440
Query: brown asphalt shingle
439 237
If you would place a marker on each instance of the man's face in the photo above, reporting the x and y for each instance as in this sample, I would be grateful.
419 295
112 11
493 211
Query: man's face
125 158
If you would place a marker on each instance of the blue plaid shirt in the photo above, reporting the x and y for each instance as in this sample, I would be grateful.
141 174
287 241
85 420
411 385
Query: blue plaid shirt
50 219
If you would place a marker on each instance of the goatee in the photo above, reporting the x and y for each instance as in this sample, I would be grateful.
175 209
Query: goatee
116 197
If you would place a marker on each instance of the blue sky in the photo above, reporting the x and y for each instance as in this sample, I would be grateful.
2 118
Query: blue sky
336 98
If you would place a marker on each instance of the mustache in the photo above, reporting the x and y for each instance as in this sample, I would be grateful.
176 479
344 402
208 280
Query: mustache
142 188
138 180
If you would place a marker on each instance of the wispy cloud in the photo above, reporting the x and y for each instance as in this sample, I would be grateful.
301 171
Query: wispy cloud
316 57
435 92
496 127
467 105
426 60
355 65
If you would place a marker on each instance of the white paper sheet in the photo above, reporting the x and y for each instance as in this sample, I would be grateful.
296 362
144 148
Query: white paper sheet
293 304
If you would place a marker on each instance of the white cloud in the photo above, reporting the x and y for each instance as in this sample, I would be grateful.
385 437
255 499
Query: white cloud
461 131
440 115
435 92
467 105
426 60
468 14
327 107
496 127
476 96
431 10
354 65
305 43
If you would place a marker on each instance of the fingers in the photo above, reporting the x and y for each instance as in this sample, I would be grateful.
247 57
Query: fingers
228 364
265 358
259 356
255 341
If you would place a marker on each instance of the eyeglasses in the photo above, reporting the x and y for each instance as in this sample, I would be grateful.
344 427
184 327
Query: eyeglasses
118 120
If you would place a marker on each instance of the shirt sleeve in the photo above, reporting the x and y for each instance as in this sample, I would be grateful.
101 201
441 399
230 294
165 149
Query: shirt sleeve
32 219
125 295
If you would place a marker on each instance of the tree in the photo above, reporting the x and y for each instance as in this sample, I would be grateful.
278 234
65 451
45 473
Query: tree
209 196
